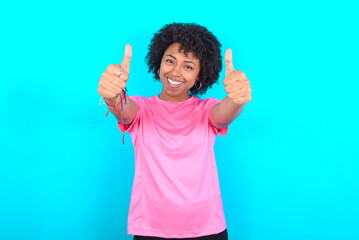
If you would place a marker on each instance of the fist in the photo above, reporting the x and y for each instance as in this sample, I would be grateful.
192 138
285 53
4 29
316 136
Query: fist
236 83
112 82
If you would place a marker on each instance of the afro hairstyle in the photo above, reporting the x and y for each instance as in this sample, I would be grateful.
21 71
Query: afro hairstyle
192 38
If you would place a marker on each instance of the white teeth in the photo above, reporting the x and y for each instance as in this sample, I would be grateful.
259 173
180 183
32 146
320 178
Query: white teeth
174 82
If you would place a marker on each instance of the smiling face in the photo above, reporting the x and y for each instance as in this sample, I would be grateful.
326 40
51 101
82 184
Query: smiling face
178 73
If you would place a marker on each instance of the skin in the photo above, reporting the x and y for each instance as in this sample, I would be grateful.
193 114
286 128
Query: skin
238 90
236 82
181 67
111 85
184 68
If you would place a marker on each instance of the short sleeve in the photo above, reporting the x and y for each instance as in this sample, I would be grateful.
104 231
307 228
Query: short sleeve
211 102
130 128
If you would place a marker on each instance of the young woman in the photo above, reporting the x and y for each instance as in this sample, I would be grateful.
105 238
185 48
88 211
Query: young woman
176 190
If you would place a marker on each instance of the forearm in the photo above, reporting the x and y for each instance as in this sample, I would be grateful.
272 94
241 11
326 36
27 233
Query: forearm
225 112
129 109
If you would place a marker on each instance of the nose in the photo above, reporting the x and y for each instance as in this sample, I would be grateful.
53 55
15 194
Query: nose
176 71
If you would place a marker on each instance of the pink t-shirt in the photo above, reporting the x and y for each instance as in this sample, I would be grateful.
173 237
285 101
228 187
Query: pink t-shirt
175 191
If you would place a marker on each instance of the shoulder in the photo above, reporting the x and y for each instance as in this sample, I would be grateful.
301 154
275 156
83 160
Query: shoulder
205 100
210 102
142 100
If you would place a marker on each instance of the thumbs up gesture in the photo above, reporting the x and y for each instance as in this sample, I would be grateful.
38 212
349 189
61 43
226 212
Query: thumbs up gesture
114 79
236 83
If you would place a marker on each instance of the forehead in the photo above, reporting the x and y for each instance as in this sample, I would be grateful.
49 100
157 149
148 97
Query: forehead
173 49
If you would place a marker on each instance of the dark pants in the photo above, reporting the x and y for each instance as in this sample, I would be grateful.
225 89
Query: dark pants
220 236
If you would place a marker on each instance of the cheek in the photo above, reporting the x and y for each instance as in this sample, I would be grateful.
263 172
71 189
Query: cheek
196 74
164 69
191 79
193 76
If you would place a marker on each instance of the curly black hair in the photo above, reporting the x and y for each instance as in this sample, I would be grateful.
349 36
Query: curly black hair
192 38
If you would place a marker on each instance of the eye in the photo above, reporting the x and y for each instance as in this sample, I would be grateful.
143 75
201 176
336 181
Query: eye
169 61
188 67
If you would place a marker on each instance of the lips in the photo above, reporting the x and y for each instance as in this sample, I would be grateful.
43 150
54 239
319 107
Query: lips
174 83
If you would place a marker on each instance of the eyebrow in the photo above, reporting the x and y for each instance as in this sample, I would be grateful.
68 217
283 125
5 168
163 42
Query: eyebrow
184 61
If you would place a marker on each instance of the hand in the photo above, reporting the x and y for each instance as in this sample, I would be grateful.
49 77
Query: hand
236 83
111 84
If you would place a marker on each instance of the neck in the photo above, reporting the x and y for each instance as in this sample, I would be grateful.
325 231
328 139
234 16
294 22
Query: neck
170 99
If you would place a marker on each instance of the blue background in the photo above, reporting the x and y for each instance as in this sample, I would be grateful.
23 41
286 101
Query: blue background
288 167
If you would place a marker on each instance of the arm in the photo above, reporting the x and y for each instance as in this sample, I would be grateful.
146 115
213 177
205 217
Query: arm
111 86
223 113
129 110
239 91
